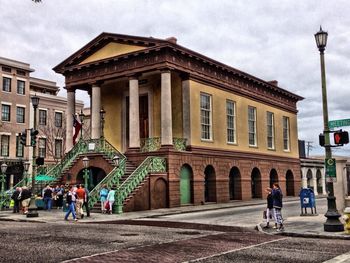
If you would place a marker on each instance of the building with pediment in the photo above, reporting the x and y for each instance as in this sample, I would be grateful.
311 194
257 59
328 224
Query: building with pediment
186 129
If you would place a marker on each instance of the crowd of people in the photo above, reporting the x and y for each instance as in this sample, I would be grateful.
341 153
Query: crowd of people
76 198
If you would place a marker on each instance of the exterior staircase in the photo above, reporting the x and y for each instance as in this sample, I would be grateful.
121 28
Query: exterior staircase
126 179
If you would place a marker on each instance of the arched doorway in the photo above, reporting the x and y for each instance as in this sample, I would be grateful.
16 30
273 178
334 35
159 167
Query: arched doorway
186 186
96 175
290 183
235 188
273 177
159 195
210 184
256 183
319 181
309 179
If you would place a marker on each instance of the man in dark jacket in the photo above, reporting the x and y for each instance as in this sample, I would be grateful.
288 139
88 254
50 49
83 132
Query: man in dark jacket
16 198
277 205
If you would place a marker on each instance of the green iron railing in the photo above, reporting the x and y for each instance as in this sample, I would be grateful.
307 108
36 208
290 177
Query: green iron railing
154 144
111 180
149 165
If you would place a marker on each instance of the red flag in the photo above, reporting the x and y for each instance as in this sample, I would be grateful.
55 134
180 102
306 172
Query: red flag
77 128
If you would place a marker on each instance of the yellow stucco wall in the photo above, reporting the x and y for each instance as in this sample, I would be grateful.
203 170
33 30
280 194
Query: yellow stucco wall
219 140
176 103
111 50
112 102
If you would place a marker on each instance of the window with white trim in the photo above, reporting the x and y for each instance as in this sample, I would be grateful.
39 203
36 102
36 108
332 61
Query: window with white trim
58 119
206 119
5 112
6 84
270 122
20 87
42 147
5 145
19 147
286 138
231 121
20 114
42 117
58 148
252 126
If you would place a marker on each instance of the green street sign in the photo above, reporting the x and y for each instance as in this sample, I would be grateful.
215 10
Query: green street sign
338 123
331 168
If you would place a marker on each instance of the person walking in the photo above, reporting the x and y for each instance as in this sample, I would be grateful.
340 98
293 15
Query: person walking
103 198
25 198
111 199
277 206
48 194
59 196
269 208
86 201
16 199
70 200
80 201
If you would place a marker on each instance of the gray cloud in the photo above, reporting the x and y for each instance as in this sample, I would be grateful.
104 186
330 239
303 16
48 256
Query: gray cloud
269 39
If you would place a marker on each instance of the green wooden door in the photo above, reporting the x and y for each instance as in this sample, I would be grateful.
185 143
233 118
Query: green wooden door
185 185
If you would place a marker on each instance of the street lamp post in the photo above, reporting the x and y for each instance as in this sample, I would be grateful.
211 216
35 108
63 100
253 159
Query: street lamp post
3 181
32 211
102 117
26 168
118 204
332 223
81 117
86 173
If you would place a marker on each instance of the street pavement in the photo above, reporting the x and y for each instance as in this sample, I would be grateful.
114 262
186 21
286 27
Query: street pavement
163 236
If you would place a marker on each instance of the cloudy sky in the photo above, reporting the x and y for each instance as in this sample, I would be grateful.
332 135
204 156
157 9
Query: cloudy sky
270 39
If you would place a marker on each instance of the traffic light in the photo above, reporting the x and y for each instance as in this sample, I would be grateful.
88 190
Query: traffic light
341 137
321 139
23 138
33 134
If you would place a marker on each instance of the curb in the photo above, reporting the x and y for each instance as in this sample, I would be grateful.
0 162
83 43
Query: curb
304 235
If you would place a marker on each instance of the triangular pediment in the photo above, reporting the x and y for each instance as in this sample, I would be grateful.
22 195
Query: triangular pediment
111 50
107 45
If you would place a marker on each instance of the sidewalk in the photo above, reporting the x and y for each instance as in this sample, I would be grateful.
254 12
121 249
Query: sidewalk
302 226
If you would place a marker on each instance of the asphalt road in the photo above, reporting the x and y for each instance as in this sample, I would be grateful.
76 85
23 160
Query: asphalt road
153 240
248 216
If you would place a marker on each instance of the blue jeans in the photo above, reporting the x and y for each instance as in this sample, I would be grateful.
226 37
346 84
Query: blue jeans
71 209
48 203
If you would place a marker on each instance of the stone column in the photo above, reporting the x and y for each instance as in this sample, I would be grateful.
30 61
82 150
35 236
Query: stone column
95 112
69 118
166 116
186 106
303 177
323 178
134 115
314 180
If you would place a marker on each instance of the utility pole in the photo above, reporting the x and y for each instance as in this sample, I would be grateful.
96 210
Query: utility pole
308 148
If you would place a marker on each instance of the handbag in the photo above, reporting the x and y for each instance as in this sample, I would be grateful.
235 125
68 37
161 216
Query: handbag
107 205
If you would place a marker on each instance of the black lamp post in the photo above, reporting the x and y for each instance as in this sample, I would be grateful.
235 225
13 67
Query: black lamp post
332 223
32 211
26 168
81 117
86 161
3 180
102 117
118 204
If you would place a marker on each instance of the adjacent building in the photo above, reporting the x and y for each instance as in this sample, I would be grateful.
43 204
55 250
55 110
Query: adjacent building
225 134
17 88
